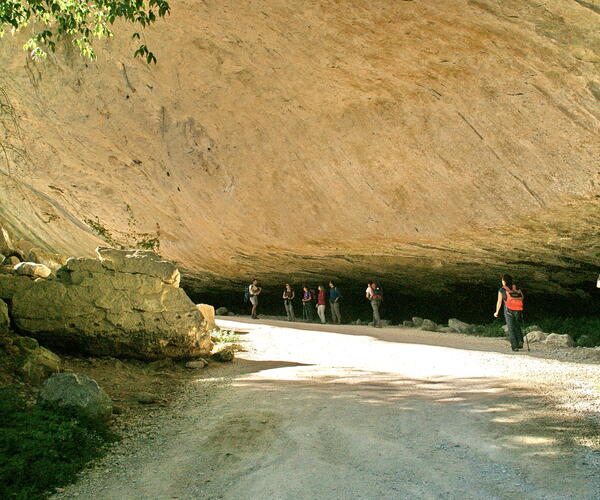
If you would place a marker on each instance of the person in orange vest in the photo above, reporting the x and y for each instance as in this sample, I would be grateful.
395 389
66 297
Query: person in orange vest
513 299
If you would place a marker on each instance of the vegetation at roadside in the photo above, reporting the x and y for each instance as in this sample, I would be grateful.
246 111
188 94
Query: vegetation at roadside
585 330
43 448
224 336
77 21
487 330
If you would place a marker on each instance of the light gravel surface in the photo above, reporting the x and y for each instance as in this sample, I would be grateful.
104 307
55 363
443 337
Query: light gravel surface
351 412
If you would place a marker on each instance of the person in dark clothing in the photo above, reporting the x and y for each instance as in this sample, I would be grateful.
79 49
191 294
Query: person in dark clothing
334 301
512 298
307 305
288 296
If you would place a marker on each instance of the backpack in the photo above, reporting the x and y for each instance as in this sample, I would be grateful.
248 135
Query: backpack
377 292
514 299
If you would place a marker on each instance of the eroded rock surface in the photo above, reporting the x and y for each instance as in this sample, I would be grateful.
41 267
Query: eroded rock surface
432 142
127 304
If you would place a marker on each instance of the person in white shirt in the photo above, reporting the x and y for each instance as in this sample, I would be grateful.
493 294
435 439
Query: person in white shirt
254 291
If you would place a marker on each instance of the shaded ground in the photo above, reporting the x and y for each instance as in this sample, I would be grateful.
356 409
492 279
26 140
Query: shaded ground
344 414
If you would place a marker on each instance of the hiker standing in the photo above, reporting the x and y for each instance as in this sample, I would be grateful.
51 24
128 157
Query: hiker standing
321 304
374 294
307 309
253 293
288 296
334 301
512 298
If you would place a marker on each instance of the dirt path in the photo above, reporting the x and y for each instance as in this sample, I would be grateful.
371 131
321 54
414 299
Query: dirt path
357 413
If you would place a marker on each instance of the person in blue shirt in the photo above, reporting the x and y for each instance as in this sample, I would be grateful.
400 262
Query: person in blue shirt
334 302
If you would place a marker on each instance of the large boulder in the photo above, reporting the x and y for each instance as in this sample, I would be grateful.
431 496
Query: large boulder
458 326
536 336
560 340
428 325
32 269
208 312
127 305
4 319
79 392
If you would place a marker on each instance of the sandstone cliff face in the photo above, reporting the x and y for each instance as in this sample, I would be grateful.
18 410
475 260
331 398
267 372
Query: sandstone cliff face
431 141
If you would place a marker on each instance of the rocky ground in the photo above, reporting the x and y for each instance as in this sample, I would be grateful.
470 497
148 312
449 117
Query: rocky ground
313 411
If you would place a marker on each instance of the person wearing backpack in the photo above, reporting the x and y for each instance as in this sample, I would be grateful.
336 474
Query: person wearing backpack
307 308
253 293
374 294
288 296
513 299
334 301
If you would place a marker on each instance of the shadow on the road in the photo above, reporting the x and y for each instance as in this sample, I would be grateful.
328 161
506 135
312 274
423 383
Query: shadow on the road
480 422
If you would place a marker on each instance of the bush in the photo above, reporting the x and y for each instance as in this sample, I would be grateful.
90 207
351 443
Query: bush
487 330
578 328
42 448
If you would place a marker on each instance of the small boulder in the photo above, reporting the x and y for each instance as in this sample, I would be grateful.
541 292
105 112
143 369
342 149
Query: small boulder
408 324
50 260
78 391
224 354
4 319
358 322
197 364
446 329
221 311
458 326
417 321
38 364
560 340
208 312
536 336
32 269
429 326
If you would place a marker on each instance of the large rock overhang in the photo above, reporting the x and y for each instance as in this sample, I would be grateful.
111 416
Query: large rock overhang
432 144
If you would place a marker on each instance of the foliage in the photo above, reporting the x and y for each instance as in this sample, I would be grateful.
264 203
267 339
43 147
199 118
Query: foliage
43 448
224 336
488 330
578 328
77 20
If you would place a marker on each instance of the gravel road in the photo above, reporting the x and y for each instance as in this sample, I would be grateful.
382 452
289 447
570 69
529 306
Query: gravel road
351 412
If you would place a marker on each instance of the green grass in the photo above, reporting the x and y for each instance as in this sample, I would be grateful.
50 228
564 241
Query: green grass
224 336
43 448
488 330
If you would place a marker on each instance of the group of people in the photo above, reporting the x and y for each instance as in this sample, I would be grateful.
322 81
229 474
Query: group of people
316 300
509 296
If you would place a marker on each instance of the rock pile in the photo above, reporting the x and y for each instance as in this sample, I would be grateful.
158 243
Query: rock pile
127 304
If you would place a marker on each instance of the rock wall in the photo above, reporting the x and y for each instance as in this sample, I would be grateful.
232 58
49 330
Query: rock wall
430 142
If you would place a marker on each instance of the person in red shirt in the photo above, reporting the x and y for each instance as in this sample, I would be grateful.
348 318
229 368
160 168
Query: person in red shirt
321 303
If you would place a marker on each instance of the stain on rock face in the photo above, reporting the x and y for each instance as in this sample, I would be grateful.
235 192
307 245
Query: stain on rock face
433 143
